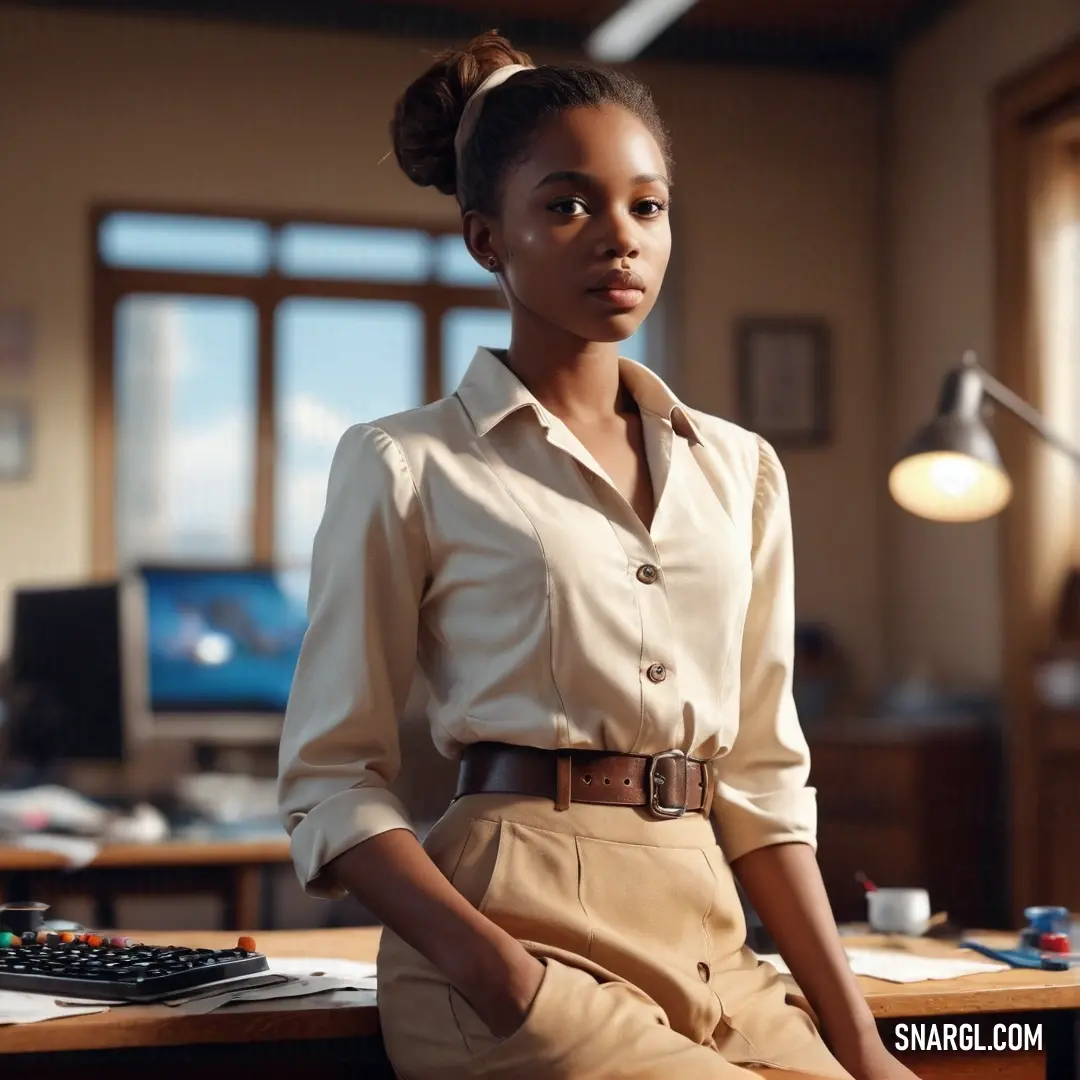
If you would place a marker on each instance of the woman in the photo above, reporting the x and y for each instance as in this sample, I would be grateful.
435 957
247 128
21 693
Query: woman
595 582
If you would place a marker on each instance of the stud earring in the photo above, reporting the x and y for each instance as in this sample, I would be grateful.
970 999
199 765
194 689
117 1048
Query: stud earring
492 262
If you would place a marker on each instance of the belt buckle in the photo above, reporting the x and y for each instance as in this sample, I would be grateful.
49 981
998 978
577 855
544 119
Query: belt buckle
658 781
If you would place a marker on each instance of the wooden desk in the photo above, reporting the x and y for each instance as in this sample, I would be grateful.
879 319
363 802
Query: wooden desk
1050 999
308 1038
232 869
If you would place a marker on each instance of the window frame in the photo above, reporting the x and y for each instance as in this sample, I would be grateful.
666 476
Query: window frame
110 284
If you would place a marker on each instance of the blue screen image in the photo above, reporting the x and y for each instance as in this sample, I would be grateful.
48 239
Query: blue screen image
220 640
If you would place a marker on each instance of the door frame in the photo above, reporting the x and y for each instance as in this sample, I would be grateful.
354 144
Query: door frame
1023 106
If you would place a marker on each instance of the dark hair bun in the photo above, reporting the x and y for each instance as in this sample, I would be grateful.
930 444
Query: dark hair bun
426 116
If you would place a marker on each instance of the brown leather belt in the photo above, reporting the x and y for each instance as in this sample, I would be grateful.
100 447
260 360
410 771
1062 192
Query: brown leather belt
668 784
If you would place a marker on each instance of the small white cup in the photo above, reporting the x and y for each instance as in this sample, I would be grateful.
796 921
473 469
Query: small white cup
899 911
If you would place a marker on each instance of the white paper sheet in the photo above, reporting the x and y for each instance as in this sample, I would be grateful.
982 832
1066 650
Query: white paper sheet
356 970
17 1008
76 850
297 988
307 977
894 965
59 806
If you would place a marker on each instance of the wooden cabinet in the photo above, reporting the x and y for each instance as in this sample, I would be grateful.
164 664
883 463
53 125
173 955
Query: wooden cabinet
1057 819
911 802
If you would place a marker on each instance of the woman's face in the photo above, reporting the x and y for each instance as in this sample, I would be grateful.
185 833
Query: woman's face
582 238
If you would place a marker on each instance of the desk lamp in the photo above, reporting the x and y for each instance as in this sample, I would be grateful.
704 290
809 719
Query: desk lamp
951 470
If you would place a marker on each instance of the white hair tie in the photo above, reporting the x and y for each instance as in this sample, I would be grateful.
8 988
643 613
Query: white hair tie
471 113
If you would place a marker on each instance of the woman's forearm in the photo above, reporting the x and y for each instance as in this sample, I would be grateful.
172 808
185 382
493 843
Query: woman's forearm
784 885
394 878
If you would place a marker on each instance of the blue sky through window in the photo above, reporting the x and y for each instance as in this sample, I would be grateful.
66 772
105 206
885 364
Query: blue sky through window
185 378
464 331
336 251
339 363
185 242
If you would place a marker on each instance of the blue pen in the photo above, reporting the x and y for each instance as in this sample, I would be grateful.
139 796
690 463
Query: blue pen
1018 959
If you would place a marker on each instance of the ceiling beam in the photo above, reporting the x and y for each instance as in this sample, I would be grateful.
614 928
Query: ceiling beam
633 27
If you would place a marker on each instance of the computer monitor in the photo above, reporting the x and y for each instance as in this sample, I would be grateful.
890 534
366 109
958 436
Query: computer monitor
209 652
66 698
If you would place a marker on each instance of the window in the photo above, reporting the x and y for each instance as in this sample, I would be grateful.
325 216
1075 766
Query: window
339 361
186 434
233 352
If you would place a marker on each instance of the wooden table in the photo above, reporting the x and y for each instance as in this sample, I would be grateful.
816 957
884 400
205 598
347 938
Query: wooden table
307 1038
1048 1001
232 869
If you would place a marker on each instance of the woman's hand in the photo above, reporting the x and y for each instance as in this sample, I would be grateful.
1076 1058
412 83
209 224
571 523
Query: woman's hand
871 1060
501 993
394 878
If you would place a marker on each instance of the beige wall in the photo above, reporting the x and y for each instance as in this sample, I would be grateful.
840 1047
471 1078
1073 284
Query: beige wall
942 604
776 211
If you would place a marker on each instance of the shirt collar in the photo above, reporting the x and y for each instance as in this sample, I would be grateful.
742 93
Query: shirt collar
490 392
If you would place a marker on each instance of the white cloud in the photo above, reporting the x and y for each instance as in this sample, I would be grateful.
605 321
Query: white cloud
311 421
209 479
209 484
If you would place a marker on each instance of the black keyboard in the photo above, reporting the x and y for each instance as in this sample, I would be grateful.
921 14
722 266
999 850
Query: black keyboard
116 969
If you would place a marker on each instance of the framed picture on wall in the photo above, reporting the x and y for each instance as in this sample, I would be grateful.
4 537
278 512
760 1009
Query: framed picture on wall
782 369
14 440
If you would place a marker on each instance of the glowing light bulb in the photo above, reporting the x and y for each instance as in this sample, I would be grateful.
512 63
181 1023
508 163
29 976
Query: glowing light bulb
954 475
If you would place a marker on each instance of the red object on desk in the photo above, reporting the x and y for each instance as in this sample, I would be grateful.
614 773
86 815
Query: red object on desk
1058 943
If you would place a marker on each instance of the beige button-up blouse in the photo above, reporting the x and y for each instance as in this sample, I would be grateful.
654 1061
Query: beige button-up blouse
477 538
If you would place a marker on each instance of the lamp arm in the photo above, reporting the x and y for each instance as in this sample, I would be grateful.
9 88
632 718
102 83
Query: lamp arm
1014 403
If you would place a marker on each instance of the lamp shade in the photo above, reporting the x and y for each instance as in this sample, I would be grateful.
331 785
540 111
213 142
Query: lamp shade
951 471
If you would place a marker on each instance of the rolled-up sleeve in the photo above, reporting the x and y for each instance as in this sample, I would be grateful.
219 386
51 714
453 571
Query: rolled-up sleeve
762 797
339 750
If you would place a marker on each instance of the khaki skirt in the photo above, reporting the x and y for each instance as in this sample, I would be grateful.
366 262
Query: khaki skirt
639 925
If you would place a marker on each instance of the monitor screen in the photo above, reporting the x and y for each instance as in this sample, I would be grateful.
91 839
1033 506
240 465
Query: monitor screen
65 694
219 640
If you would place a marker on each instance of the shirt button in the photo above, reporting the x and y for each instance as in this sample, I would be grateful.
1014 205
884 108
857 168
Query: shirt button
646 574
703 971
657 673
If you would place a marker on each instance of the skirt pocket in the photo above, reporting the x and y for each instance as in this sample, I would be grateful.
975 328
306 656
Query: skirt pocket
478 1037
